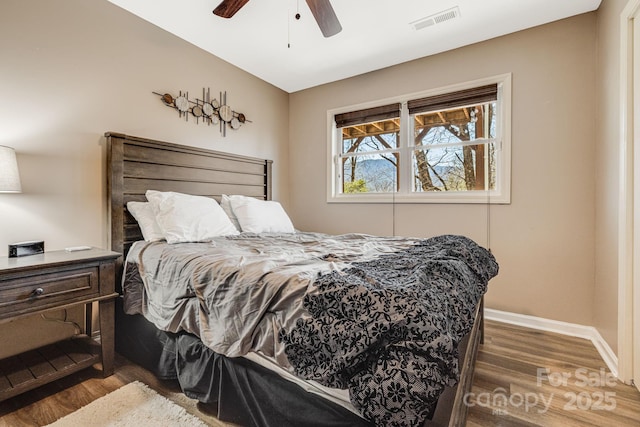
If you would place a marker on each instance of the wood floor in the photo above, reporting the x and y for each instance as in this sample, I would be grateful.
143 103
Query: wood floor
523 378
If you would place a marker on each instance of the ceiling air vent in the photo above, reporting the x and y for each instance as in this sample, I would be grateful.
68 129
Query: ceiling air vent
436 18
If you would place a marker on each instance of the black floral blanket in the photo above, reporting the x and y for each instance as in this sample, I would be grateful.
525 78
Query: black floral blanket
388 329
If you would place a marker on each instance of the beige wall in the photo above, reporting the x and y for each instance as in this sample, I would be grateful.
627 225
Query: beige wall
607 171
544 240
71 70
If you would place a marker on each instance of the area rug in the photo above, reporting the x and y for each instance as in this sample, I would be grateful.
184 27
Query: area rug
134 404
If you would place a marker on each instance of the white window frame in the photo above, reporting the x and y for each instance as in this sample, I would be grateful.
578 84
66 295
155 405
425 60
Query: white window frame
500 195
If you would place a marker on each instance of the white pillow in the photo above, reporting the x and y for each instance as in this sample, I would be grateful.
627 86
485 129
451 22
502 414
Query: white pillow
225 203
187 218
261 216
143 213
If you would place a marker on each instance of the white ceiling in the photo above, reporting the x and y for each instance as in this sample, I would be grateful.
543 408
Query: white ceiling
265 39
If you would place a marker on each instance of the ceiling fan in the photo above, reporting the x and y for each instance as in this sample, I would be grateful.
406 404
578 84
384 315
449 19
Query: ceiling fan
322 11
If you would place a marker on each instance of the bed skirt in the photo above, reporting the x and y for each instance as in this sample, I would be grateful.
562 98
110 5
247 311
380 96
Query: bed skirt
238 390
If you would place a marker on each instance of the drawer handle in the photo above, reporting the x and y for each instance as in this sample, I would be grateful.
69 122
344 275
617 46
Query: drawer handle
37 292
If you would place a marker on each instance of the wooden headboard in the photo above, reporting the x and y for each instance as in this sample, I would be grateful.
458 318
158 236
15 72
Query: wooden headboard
135 165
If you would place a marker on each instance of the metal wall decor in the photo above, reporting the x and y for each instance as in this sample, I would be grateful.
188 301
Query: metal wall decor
211 111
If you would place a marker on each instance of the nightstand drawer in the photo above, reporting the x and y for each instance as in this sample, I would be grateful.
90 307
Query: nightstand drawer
26 293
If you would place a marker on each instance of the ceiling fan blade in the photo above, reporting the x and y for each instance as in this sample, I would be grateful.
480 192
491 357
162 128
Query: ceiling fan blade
228 8
325 17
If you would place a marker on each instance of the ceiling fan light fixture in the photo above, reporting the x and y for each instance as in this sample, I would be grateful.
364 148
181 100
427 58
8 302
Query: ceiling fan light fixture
321 10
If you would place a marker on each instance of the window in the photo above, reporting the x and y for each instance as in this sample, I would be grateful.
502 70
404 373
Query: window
370 151
446 146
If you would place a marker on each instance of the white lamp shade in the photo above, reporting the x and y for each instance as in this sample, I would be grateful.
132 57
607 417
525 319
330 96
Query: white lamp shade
9 175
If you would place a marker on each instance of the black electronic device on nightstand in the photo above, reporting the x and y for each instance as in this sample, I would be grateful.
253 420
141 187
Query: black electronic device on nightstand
33 247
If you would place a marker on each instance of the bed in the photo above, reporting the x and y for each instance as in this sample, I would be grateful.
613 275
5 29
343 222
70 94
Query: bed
301 367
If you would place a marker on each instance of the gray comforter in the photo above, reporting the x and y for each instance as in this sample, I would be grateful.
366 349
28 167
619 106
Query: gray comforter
380 316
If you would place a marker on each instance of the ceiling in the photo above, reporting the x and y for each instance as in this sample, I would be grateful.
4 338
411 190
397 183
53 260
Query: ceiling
266 40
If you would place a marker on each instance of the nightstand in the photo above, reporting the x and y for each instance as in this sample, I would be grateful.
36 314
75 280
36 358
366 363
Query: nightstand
52 281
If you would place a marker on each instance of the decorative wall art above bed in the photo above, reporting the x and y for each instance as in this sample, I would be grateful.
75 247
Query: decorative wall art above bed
210 110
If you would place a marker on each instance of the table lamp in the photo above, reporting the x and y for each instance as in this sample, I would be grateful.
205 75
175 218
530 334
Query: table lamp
9 175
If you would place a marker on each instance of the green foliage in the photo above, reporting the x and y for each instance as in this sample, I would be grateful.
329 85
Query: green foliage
357 186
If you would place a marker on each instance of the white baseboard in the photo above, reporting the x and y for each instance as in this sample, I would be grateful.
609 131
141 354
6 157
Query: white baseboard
587 332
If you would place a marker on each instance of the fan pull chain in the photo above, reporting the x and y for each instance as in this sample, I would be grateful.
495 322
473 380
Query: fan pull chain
297 16
288 30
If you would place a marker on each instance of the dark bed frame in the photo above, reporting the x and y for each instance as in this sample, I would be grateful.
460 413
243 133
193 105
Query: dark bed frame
136 164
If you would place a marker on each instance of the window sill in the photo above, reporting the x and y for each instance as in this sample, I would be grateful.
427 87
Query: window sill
448 198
